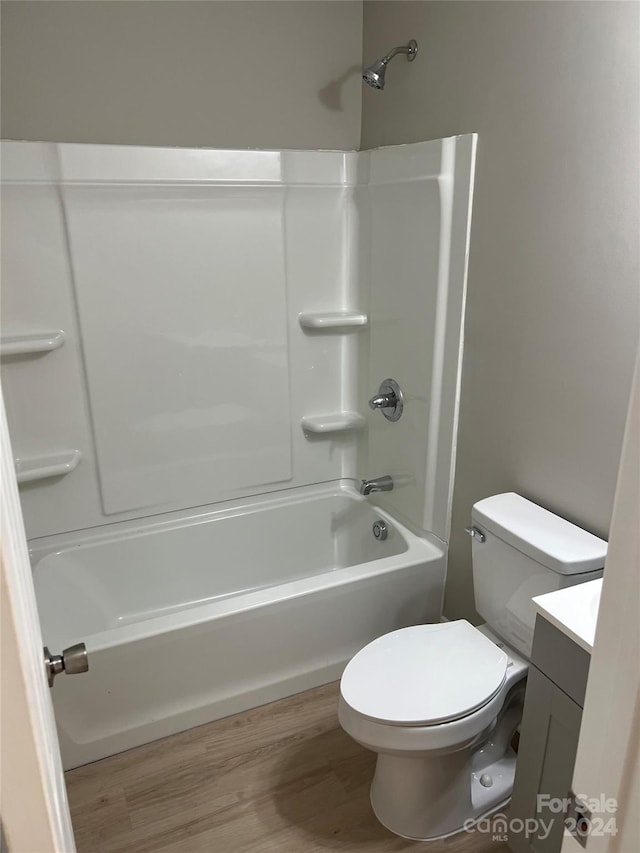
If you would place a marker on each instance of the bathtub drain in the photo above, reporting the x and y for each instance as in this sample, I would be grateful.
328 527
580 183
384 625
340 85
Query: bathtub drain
380 530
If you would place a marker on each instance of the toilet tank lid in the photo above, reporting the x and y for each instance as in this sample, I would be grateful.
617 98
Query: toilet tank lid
552 541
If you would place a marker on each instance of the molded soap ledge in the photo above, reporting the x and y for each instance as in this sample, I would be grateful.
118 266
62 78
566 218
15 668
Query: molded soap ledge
31 343
334 321
44 467
335 422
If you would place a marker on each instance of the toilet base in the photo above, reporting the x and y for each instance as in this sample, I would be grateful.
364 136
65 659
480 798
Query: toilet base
428 798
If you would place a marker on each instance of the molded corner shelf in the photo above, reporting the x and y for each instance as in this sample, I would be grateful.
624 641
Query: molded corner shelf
43 467
31 343
334 422
336 322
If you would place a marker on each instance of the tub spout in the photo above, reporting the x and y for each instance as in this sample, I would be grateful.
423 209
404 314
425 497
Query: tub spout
379 484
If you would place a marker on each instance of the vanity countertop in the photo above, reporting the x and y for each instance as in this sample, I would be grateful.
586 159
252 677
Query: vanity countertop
573 610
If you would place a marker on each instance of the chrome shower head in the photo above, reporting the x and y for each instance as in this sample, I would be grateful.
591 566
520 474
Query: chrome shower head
374 74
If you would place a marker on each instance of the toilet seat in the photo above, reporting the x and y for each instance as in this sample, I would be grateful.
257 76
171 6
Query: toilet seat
424 675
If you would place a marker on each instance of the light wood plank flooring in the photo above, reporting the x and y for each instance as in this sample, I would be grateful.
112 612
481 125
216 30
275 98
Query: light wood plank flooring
284 778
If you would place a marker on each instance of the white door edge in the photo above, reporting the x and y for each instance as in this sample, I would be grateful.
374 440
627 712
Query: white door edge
35 812
607 770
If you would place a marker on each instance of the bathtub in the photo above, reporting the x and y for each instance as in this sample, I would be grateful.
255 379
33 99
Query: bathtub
189 617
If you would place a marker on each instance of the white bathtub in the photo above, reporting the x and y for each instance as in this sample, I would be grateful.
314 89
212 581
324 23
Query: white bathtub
195 616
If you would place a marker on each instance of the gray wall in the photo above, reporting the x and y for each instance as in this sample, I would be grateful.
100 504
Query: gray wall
552 314
211 74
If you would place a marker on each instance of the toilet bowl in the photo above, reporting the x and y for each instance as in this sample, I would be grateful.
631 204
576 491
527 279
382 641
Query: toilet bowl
439 704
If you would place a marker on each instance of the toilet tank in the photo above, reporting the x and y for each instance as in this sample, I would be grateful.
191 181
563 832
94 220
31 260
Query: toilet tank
526 551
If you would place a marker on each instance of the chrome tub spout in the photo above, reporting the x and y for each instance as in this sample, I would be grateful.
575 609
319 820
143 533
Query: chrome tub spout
378 484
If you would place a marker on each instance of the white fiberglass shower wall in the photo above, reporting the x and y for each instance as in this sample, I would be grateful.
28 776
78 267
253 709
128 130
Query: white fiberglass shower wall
190 339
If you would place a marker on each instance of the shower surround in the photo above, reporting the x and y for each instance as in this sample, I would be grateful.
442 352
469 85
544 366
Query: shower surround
189 341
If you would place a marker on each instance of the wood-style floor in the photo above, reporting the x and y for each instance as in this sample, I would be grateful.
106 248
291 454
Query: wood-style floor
284 778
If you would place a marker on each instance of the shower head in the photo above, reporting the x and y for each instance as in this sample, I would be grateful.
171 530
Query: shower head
373 75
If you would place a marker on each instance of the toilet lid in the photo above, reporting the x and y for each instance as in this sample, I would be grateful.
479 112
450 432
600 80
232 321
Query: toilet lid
424 675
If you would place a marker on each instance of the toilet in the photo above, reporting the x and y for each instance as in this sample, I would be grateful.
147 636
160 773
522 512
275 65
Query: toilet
440 703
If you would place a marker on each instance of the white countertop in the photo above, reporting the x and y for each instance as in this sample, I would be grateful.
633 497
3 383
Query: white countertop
573 610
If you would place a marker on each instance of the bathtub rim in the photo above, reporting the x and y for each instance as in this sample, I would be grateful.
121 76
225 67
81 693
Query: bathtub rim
418 549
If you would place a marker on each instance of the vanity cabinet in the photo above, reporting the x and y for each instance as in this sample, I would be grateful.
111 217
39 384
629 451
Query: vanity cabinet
549 733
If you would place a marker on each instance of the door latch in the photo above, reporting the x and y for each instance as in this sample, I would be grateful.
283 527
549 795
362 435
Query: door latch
73 660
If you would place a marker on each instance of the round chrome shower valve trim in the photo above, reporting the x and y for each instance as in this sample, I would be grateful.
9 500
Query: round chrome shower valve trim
388 400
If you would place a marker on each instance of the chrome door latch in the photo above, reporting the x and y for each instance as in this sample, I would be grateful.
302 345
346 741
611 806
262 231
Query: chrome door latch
579 820
73 660
475 533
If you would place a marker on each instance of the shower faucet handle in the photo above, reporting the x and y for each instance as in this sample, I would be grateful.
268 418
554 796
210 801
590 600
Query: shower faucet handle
383 401
389 400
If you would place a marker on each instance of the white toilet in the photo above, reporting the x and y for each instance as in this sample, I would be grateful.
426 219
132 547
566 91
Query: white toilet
440 703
